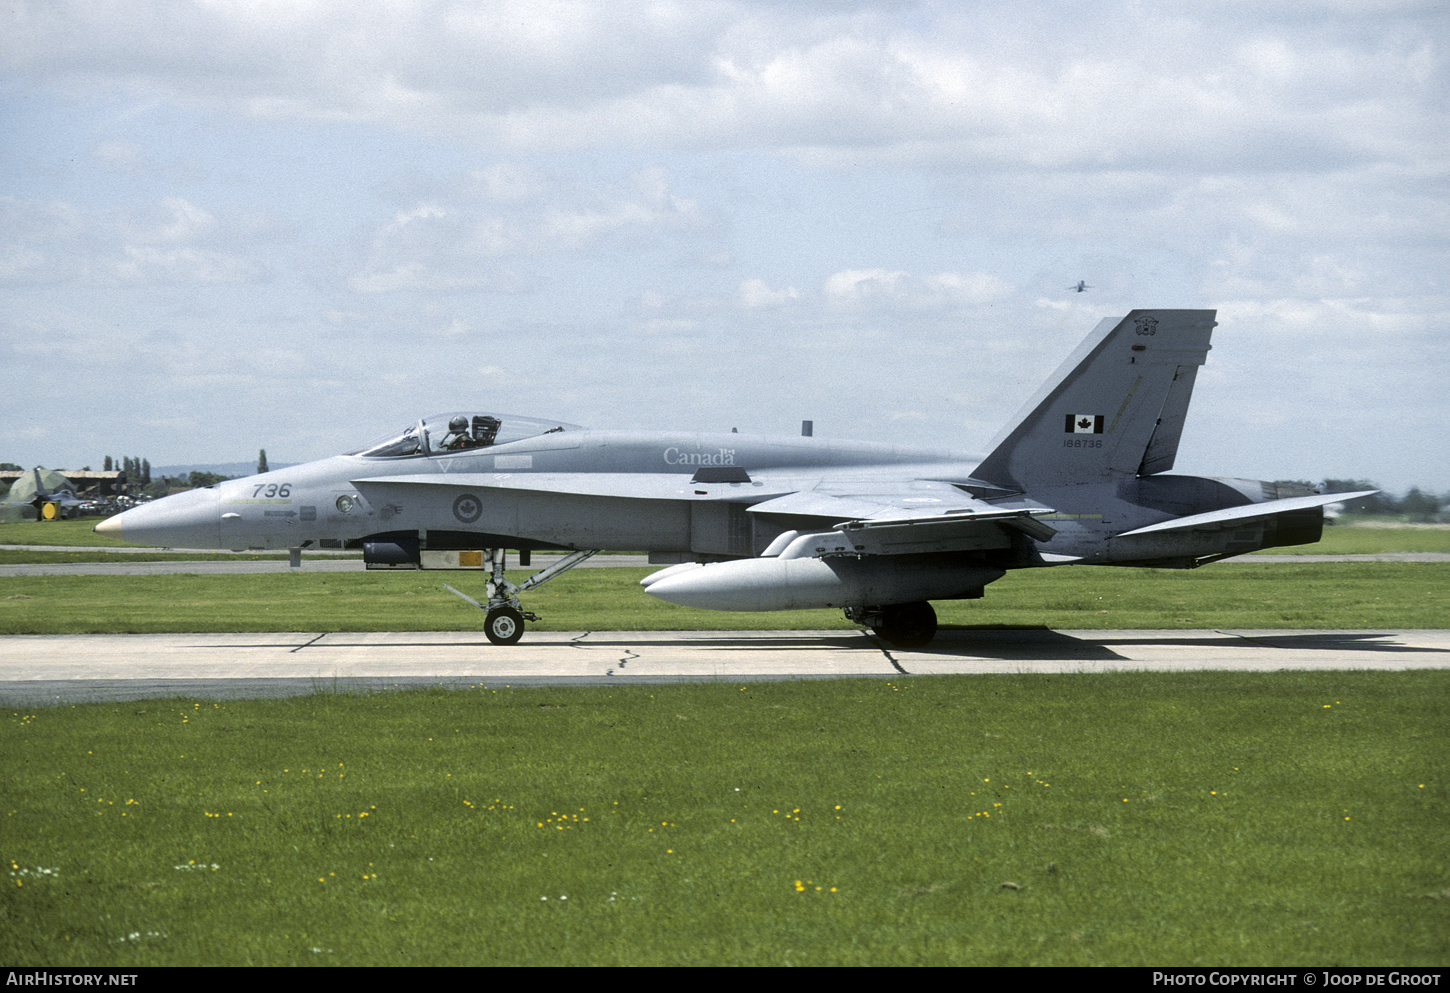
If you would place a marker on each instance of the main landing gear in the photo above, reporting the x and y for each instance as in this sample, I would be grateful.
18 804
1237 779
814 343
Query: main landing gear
504 620
902 625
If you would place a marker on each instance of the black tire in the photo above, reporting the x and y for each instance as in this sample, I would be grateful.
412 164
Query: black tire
504 626
907 625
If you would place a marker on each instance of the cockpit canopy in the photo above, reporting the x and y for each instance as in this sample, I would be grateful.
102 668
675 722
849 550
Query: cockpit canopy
459 431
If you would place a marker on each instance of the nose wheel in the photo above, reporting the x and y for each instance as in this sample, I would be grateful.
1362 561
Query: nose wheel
503 622
504 626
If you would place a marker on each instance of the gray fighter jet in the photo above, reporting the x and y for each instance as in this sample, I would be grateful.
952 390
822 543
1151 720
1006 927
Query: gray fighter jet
1078 476
43 495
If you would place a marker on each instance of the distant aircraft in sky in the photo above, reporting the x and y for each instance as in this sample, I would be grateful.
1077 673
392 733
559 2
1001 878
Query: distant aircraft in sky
1081 285
1078 476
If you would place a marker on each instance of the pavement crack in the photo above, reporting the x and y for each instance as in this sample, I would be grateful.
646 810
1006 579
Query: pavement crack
308 644
889 657
629 657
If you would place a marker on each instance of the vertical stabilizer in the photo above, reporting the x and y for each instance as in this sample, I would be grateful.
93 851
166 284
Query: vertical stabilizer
1114 409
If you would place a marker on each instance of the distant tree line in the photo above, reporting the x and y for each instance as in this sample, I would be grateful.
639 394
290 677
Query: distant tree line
137 470
139 479
1416 505
193 480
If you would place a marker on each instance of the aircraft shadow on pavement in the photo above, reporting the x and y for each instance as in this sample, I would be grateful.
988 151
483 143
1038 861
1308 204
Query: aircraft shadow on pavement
1045 644
1320 641
1012 644
1035 644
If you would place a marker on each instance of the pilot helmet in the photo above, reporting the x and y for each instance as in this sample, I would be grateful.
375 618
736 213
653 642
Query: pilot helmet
458 425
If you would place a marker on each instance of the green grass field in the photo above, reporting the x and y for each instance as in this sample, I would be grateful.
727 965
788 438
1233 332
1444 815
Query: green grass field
13 556
1289 595
1124 819
1115 819
76 532
1367 539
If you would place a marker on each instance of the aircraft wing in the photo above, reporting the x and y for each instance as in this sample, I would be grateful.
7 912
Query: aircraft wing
831 501
1216 520
849 517
904 518
962 532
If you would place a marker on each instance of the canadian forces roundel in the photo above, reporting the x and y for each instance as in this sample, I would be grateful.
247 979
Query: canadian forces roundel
467 508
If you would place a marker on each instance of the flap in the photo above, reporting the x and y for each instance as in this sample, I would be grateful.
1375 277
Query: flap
916 536
808 503
988 528
874 499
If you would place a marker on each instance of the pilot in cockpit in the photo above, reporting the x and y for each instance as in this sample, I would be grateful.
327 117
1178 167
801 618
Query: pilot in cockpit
458 437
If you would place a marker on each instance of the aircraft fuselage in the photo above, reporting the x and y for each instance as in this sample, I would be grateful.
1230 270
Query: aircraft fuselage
658 499
1081 475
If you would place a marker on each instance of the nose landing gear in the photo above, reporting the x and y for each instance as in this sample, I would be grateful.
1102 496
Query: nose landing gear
504 619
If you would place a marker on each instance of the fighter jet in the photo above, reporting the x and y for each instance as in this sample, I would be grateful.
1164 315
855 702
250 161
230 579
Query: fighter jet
1078 476
43 495
1081 285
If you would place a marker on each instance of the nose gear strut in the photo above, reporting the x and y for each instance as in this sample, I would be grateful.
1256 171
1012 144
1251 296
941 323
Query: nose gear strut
504 617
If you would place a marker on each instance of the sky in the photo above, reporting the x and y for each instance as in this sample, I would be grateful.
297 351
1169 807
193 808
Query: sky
299 225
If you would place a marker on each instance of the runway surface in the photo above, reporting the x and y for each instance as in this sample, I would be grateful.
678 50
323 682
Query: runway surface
50 670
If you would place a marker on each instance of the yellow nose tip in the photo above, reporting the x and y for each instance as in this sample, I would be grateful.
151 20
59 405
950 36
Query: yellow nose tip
110 526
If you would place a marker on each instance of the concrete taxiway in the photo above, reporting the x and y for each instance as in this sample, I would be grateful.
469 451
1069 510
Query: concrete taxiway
41 670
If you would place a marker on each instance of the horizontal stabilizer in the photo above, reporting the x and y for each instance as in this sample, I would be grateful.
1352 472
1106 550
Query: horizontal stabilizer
1234 516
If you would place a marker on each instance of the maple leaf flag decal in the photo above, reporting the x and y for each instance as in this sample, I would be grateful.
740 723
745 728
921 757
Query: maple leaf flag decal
1084 423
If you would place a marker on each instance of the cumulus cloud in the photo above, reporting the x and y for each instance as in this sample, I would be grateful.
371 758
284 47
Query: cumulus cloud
727 179
755 294
947 86
479 231
171 241
855 287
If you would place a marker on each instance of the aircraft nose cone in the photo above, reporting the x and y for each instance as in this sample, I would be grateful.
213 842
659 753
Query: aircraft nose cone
186 520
